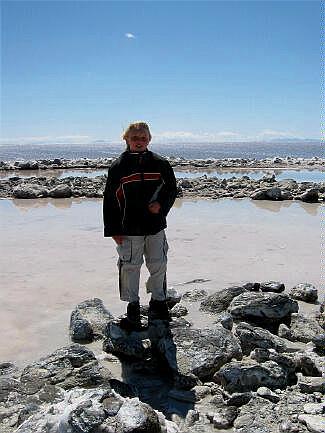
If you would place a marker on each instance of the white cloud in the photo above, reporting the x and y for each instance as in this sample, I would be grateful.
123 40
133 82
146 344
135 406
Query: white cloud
188 136
271 134
129 35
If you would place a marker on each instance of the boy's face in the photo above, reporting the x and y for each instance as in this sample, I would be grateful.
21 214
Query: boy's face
138 140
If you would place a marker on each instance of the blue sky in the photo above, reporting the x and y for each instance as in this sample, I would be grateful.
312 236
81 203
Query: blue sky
80 71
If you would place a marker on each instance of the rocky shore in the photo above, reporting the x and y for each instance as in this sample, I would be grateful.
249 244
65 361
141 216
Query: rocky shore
259 367
177 163
266 188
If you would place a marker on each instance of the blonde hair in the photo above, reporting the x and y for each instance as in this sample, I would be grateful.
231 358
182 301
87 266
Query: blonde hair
136 126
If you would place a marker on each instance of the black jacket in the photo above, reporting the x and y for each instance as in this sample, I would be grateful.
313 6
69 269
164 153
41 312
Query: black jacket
134 180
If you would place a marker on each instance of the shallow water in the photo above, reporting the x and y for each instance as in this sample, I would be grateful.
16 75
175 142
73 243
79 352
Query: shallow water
303 175
53 256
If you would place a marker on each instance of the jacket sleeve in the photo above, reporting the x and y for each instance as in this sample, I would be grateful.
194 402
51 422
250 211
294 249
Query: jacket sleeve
111 208
168 192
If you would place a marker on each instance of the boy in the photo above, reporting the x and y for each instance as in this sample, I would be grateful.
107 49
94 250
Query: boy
140 190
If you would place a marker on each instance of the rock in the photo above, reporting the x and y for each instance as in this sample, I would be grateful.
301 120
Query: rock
29 191
309 196
314 423
272 286
220 301
203 351
68 367
225 417
268 308
251 337
194 295
307 364
268 394
172 297
302 328
225 319
239 398
7 368
273 194
304 292
319 342
314 408
89 320
178 311
119 342
85 417
60 191
80 329
309 385
135 417
249 376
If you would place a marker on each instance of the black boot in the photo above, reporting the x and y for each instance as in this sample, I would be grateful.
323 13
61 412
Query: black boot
132 321
158 310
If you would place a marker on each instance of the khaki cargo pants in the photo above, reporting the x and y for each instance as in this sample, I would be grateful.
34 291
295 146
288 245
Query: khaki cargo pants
131 251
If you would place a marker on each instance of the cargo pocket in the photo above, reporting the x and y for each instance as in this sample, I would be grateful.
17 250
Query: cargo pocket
125 251
165 248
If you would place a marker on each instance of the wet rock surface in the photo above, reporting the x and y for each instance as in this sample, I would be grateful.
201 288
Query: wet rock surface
230 376
266 188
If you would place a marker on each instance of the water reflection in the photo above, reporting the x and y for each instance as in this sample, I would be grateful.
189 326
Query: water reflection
312 209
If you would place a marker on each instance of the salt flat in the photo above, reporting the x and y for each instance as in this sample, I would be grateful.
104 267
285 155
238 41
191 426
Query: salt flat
53 256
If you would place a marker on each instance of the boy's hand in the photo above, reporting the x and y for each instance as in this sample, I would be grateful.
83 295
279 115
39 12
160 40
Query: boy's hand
154 207
118 239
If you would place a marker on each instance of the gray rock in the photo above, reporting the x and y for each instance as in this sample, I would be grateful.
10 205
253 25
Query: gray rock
304 292
194 295
314 423
319 342
251 337
311 195
224 418
272 286
89 320
268 307
203 351
135 417
178 311
29 191
220 301
60 191
309 385
302 328
314 408
172 297
225 319
265 392
68 367
249 376
238 399
119 342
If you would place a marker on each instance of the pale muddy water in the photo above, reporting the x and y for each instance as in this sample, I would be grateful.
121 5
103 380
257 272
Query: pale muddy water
53 256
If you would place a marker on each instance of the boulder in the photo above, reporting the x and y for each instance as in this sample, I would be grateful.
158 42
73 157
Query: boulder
137 417
311 195
194 295
89 320
302 328
248 375
268 308
251 337
220 301
29 191
60 191
122 343
203 351
304 292
68 367
272 286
